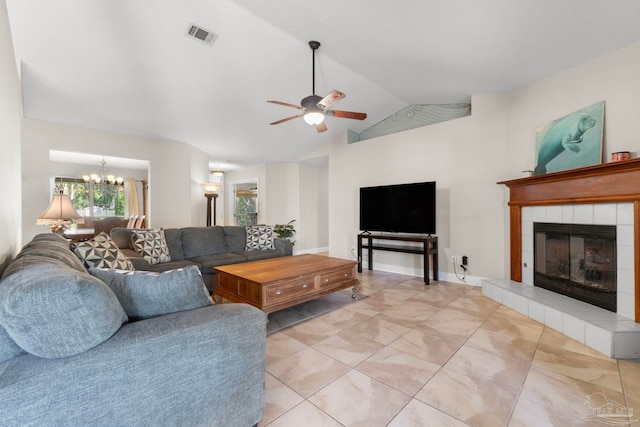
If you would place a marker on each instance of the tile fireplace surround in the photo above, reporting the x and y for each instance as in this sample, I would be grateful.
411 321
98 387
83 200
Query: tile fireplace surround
603 194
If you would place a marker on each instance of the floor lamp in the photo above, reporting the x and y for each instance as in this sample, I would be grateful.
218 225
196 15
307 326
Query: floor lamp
210 193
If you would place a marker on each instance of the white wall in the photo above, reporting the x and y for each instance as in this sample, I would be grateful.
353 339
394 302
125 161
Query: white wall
461 156
312 223
468 156
10 113
175 171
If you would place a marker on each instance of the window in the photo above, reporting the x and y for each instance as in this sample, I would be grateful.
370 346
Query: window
246 207
93 200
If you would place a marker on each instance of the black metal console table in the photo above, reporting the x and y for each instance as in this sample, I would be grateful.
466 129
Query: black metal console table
429 248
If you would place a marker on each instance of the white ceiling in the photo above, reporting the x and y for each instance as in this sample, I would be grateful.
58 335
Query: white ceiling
127 66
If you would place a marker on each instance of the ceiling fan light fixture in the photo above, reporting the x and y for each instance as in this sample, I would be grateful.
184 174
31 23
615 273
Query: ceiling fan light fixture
314 117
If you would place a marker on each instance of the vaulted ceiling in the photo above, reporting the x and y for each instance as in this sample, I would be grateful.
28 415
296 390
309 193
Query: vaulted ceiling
127 66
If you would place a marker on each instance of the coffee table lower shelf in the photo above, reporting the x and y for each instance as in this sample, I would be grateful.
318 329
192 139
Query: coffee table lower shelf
279 283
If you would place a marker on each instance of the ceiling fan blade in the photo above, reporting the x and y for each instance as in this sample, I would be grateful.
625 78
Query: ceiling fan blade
346 114
321 127
286 104
330 99
286 120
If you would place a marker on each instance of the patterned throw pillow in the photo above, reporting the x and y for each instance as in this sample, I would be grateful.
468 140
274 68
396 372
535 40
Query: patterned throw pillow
151 245
259 237
101 252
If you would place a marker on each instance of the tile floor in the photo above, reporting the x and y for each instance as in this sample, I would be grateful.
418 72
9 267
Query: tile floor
438 355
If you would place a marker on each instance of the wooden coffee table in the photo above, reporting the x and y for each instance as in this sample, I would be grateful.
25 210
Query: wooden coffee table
278 283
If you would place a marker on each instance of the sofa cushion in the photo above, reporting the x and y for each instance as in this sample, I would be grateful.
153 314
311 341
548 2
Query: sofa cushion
47 248
258 255
210 262
8 347
259 237
101 251
236 237
121 237
198 241
52 311
151 245
172 265
146 294
174 242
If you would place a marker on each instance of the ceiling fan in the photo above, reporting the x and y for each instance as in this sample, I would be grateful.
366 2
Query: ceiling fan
314 108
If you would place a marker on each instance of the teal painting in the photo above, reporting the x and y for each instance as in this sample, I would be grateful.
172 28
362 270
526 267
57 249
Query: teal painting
570 142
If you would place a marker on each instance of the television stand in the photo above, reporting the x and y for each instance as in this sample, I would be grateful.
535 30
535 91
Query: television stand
429 248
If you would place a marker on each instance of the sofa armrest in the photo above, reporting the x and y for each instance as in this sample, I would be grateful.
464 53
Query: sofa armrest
283 246
196 367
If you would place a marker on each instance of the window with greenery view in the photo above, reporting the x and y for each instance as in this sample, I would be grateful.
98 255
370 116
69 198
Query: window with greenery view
96 200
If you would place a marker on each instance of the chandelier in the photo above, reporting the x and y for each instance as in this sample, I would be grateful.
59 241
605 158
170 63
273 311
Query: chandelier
103 178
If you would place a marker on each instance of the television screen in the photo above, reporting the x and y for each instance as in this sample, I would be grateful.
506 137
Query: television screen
403 208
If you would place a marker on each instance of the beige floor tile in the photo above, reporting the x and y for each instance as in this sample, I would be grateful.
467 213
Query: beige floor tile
478 402
278 399
399 370
630 373
305 415
312 331
364 308
409 313
419 414
595 370
437 298
477 305
508 374
434 349
528 413
344 318
452 323
633 404
560 394
356 399
307 371
280 346
465 364
506 345
348 347
513 326
379 330
555 339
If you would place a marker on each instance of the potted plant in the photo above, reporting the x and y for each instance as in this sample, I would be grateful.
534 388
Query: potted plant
285 231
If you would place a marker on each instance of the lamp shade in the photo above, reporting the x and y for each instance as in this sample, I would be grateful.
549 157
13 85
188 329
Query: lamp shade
314 117
59 209
211 187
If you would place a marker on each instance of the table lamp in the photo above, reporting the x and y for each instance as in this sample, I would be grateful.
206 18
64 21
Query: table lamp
59 213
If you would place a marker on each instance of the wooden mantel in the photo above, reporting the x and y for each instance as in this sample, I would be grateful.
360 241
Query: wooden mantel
614 182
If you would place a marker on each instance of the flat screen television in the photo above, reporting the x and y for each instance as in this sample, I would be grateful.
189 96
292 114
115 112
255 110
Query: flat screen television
402 208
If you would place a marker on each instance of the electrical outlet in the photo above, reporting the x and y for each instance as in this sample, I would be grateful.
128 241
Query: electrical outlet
459 260
453 259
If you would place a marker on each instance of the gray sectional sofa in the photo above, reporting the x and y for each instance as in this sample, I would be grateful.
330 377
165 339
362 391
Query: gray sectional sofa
206 247
69 356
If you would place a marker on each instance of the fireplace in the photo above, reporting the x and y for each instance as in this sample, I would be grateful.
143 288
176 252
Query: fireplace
577 260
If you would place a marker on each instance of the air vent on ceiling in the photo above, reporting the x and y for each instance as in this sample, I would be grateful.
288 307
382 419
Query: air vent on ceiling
201 34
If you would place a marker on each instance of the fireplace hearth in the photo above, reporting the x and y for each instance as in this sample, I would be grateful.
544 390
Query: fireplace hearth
577 260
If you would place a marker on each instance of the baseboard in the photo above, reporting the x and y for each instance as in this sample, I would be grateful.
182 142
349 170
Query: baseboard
442 275
311 251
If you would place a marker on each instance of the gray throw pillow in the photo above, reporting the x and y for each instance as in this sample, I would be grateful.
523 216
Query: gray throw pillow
102 252
53 311
145 294
151 245
259 237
